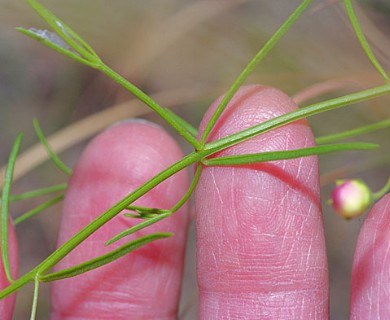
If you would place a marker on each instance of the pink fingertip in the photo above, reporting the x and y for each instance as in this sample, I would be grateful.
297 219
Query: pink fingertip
144 284
370 283
260 243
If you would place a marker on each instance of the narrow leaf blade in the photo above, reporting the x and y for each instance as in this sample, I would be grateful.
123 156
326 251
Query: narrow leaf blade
104 259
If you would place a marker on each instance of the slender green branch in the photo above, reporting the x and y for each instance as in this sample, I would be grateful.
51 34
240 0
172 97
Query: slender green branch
297 115
158 215
354 132
362 39
382 192
38 192
252 64
5 204
162 112
104 259
35 298
138 227
38 209
290 154
57 161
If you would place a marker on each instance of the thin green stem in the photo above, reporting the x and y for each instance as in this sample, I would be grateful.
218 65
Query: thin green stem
362 39
252 64
297 115
105 258
38 192
382 192
35 298
159 216
243 159
162 112
5 204
57 161
354 132
38 209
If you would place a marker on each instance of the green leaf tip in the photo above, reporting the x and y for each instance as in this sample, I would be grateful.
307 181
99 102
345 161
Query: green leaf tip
106 258
5 199
63 40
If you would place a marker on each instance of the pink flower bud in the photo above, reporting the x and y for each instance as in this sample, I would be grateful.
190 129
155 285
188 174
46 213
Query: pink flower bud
351 198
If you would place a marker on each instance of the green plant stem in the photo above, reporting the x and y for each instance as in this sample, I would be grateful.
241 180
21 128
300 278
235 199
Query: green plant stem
382 192
57 161
162 112
5 204
164 214
354 132
35 299
243 159
296 115
38 192
252 64
38 209
362 39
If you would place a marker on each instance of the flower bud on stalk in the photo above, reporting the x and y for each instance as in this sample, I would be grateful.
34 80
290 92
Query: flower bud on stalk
351 198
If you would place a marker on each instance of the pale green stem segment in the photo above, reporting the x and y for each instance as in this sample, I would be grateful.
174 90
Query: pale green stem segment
38 209
53 156
180 126
252 64
39 192
104 259
5 204
382 192
35 298
362 39
354 132
243 159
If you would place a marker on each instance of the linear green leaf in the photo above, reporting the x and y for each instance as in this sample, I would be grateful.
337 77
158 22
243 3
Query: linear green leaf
362 39
354 132
290 154
38 192
298 114
137 227
104 259
5 204
262 53
38 209
66 33
70 54
57 161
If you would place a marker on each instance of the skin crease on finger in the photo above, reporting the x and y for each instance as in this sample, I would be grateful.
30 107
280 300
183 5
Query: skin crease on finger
144 284
370 289
260 242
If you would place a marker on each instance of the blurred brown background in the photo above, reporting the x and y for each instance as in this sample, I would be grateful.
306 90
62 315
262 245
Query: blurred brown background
188 52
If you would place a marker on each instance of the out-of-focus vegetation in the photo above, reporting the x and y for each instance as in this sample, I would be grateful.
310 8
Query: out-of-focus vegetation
188 53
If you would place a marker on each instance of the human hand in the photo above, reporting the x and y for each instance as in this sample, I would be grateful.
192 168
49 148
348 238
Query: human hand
260 244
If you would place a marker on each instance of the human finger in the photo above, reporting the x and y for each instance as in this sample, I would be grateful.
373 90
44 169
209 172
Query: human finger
370 282
260 242
145 283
